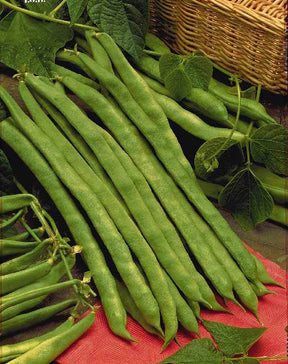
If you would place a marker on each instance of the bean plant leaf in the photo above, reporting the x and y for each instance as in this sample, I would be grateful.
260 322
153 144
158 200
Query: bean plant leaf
171 67
218 157
76 9
200 351
126 21
247 199
249 93
233 340
181 74
41 7
199 70
30 42
1 8
269 146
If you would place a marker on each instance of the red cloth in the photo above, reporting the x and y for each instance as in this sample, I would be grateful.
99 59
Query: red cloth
99 345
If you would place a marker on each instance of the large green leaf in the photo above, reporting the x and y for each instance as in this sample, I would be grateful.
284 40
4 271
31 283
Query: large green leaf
199 69
125 20
233 340
30 42
218 157
247 199
76 8
269 145
200 351
41 7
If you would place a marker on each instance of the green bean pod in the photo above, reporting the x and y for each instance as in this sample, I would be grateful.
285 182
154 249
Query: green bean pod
156 44
11 247
80 144
98 52
133 310
23 236
6 223
263 275
183 174
185 314
49 349
79 228
191 122
180 169
122 220
69 57
14 350
12 281
114 242
65 71
15 202
189 233
29 319
24 261
83 44
29 296
171 263
250 108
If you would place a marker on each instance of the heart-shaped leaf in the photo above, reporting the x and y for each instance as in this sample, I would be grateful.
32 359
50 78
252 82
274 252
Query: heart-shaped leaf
218 157
43 6
126 21
199 70
232 340
200 351
76 8
30 42
247 199
269 146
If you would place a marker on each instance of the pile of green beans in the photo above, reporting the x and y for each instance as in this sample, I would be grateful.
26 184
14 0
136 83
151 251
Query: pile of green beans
135 187
30 271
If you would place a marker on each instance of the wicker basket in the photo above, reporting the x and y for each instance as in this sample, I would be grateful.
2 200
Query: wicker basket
246 37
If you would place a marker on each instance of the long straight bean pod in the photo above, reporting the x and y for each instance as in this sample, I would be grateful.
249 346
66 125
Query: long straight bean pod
99 217
15 280
125 224
180 170
17 349
15 202
94 135
49 349
185 314
28 319
90 98
25 260
22 299
11 247
79 228
221 280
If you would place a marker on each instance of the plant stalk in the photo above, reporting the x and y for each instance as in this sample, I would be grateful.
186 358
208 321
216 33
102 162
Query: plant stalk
40 16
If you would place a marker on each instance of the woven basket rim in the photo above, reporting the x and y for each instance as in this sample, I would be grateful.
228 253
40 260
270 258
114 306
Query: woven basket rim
250 14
